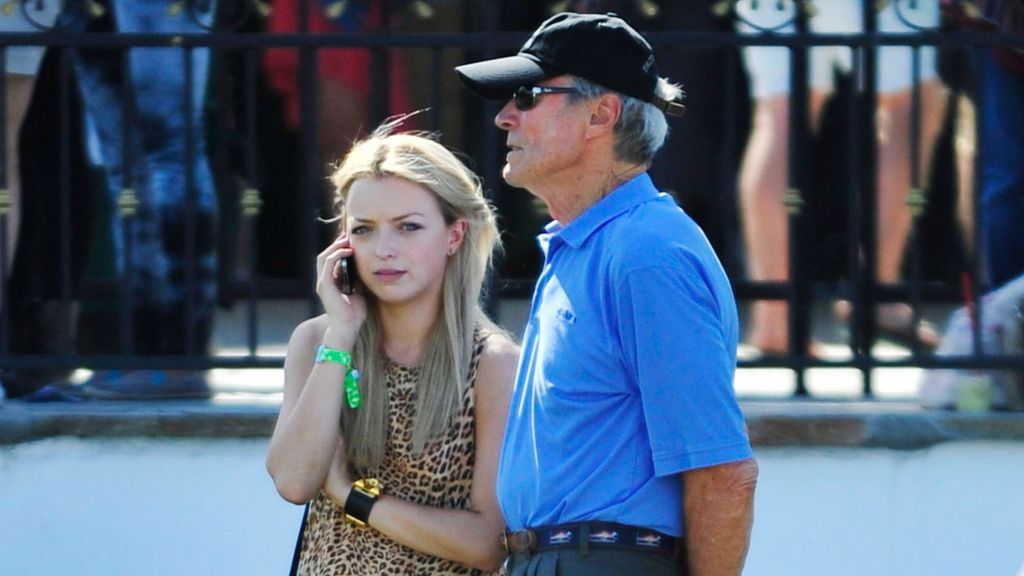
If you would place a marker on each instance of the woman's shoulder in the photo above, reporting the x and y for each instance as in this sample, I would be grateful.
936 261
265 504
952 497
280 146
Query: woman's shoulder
499 356
494 341
309 333
498 344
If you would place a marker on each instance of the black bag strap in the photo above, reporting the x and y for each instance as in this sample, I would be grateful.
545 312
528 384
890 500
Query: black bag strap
298 543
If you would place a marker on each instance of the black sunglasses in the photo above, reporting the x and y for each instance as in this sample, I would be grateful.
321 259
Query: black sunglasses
526 97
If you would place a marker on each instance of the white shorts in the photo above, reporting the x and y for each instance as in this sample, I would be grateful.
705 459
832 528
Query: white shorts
768 66
26 59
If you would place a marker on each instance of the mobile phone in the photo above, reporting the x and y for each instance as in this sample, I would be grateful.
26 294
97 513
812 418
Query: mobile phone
346 276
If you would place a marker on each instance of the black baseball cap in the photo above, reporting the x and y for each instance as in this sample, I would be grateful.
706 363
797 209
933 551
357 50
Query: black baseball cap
601 48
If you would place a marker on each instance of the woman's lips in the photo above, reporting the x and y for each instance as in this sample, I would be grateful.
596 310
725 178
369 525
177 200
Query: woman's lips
389 275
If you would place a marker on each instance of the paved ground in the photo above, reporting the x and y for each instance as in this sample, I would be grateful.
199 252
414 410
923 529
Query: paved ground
246 401
278 317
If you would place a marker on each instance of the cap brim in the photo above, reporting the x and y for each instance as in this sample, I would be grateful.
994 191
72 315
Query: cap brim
497 79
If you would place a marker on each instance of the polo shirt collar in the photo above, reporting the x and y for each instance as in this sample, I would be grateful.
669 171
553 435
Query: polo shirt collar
633 192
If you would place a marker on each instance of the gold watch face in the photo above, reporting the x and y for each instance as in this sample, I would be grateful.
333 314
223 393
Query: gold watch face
371 486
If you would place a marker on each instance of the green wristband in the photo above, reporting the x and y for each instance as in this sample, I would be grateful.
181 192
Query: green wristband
352 397
333 355
325 354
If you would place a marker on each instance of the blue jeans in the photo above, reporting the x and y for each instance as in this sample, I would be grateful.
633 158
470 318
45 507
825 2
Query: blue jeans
1000 103
167 250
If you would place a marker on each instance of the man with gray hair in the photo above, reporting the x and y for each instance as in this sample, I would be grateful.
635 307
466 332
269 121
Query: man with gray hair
625 451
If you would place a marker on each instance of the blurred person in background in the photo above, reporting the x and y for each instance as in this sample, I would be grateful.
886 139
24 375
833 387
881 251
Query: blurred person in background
21 66
155 151
343 75
764 176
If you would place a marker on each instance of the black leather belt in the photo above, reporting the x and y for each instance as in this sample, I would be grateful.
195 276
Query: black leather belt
600 534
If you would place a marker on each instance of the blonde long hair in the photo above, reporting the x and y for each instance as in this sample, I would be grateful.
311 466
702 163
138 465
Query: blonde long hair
418 158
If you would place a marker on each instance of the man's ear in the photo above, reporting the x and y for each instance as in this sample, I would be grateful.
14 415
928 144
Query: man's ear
604 113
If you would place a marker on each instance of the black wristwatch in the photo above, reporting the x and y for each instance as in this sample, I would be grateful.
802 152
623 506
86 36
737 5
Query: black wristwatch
360 501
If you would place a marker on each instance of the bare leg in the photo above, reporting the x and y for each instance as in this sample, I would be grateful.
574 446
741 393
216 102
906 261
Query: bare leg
966 140
894 112
763 183
19 94
894 179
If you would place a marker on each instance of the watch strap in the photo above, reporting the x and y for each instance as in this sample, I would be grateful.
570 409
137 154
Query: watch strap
360 501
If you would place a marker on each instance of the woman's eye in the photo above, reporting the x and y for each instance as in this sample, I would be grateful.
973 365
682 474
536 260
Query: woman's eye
358 230
409 226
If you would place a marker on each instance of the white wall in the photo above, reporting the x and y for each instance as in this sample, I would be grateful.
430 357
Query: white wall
196 507
952 510
141 507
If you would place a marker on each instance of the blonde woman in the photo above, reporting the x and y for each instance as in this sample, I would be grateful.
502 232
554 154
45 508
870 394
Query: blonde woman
395 398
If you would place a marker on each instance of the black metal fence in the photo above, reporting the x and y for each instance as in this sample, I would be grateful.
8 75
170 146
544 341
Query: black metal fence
70 304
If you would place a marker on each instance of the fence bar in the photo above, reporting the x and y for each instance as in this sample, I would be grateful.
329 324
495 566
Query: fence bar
799 292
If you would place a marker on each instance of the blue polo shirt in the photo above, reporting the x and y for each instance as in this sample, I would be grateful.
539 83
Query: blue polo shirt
626 373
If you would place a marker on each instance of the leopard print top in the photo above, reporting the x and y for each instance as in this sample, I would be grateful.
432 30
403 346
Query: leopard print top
441 476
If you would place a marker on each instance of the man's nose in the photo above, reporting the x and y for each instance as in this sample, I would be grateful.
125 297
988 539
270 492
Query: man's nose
507 116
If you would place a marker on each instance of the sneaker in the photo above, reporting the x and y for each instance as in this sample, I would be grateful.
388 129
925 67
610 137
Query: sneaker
148 385
25 383
56 392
